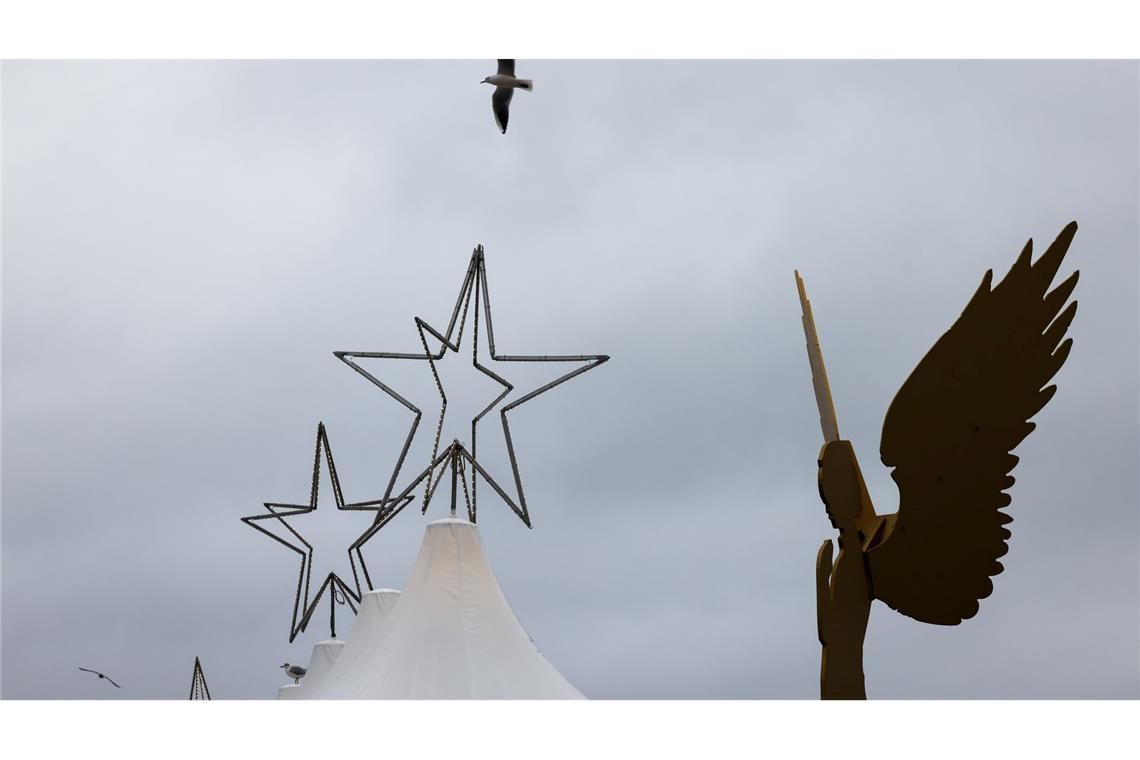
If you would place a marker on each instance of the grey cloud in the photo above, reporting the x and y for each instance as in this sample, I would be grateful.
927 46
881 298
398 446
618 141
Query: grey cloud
186 243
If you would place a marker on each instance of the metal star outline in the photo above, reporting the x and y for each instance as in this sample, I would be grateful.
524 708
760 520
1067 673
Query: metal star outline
198 688
332 582
454 456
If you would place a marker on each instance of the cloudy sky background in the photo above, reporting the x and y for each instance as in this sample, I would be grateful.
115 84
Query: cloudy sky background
185 244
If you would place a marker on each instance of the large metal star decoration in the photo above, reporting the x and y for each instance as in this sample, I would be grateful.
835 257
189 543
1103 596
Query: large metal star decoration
455 456
340 591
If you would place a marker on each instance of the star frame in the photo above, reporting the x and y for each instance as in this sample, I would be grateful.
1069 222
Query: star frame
303 606
198 688
474 287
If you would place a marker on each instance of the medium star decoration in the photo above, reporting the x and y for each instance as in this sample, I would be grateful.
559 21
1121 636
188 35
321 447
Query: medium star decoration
474 287
303 606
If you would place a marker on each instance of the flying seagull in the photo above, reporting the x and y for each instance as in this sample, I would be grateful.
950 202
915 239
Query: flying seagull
505 84
296 672
96 672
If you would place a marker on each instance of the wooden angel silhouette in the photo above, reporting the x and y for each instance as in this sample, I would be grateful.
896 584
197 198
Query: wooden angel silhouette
947 436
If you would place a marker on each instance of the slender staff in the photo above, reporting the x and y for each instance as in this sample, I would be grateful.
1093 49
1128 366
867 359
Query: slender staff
827 419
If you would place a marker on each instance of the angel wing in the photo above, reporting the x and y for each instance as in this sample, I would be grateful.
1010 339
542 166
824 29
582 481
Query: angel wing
949 432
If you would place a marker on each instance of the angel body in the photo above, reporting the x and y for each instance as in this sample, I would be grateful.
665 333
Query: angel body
948 436
843 588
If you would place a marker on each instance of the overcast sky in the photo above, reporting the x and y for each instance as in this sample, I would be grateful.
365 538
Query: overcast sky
185 244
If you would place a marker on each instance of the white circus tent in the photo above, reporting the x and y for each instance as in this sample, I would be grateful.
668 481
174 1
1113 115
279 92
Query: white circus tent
375 607
450 635
326 660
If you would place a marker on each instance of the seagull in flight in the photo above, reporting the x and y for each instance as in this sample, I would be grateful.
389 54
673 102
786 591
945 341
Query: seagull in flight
505 83
296 672
96 672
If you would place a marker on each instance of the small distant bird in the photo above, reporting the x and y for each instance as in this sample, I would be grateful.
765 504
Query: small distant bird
96 672
505 84
296 672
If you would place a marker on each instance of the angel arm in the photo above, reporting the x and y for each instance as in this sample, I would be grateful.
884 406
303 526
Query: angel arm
950 430
823 566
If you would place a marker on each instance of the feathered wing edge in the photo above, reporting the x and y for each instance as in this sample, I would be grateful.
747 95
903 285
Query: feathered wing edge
950 430
501 106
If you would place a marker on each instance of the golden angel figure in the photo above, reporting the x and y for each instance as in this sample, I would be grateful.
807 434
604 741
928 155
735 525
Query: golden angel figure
947 436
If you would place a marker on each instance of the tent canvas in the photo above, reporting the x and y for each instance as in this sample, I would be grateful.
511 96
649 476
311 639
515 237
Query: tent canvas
450 635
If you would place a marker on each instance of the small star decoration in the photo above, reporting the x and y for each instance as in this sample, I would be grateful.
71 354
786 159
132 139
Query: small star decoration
303 605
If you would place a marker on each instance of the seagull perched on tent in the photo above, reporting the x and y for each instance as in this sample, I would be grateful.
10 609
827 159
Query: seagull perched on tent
505 84
296 672
96 672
